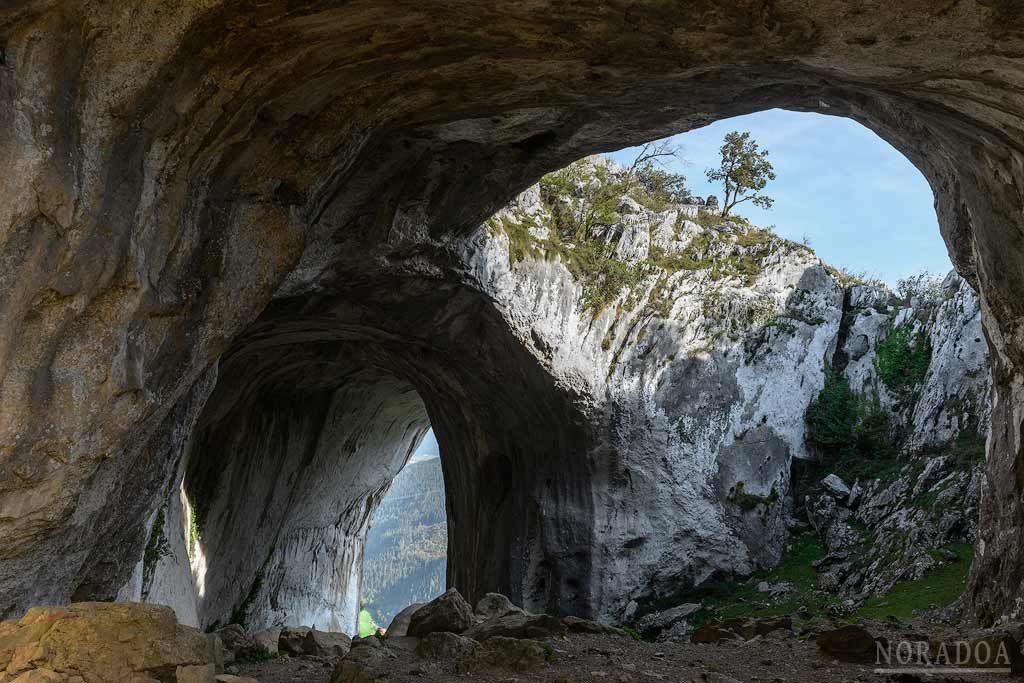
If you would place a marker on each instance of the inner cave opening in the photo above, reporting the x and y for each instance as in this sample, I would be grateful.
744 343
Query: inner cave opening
407 541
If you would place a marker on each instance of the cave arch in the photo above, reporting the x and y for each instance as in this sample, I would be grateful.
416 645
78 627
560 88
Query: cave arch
186 172
310 422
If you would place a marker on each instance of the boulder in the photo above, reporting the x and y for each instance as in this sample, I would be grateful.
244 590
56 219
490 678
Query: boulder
291 639
399 626
510 654
445 646
267 641
367 660
716 631
230 678
656 622
449 612
518 626
849 643
325 644
105 642
237 643
677 632
200 673
775 589
578 625
496 605
836 486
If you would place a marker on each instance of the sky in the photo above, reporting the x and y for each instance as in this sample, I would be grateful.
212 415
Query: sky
861 204
427 449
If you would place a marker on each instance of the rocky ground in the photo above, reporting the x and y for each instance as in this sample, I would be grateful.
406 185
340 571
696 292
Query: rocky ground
498 642
447 640
605 658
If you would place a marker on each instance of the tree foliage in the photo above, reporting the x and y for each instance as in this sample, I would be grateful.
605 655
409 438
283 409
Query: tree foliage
850 433
744 172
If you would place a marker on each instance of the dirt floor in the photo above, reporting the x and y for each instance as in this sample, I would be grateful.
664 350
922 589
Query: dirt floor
779 658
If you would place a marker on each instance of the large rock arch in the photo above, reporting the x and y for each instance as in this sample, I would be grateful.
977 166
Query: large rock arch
175 171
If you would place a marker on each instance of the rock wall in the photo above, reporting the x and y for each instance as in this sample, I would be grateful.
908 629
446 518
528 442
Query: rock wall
700 377
901 519
182 172
702 371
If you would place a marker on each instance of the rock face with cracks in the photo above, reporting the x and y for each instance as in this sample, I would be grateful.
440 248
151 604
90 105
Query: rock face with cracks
272 198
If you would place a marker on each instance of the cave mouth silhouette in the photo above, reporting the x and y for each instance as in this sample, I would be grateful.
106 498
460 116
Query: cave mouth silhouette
204 189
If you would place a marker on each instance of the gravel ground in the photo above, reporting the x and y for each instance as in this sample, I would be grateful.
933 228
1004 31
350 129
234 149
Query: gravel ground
607 659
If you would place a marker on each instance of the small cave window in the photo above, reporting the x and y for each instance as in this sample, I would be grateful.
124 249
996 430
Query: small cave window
407 544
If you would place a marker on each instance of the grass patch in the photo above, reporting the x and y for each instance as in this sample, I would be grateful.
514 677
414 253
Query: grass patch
940 587
633 633
263 655
731 600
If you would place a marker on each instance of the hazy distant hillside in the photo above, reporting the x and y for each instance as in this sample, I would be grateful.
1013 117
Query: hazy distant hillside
407 544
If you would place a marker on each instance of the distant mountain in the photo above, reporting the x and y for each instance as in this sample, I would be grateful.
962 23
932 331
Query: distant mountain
407 545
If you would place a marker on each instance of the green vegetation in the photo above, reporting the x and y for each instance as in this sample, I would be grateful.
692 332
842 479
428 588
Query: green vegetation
854 437
367 626
902 359
633 633
730 600
193 533
940 587
846 277
156 547
581 223
744 172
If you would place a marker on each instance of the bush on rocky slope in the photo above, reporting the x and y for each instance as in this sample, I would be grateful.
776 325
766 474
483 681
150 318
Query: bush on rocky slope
902 359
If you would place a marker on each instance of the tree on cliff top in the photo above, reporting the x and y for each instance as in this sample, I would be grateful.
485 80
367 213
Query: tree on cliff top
744 172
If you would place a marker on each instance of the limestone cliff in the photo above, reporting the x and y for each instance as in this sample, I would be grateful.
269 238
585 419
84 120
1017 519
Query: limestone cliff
915 507
700 349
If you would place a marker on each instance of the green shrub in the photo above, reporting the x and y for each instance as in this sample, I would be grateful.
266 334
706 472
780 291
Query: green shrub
833 415
902 359
854 439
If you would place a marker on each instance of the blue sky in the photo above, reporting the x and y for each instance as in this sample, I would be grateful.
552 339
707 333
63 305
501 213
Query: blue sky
428 447
859 201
